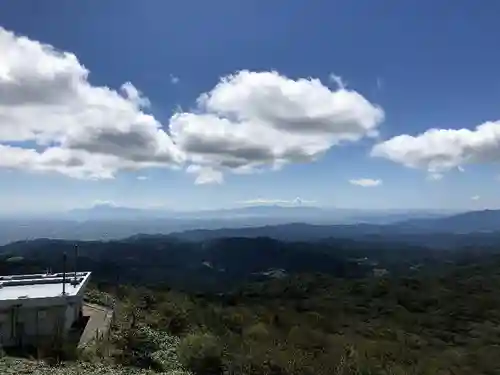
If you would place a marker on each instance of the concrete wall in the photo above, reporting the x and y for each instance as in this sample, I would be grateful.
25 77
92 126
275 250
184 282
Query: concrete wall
30 325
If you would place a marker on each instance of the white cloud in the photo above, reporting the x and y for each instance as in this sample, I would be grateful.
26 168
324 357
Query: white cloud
256 120
290 202
206 175
475 198
100 202
134 95
435 176
341 84
174 80
142 178
439 150
77 129
366 182
249 122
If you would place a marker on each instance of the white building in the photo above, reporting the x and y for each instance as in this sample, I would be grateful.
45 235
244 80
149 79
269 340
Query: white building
35 308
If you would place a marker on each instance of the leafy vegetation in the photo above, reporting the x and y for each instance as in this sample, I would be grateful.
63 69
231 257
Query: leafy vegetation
440 318
212 265
447 323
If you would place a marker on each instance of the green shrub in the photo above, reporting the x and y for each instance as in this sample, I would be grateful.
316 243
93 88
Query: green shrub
99 298
148 348
201 353
257 331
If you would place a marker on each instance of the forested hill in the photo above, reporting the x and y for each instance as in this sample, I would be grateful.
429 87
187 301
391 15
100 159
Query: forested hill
187 265
263 306
212 264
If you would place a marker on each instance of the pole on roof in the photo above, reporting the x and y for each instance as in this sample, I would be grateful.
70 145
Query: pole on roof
64 274
76 257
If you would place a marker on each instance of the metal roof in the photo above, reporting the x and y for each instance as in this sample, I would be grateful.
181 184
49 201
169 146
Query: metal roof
21 287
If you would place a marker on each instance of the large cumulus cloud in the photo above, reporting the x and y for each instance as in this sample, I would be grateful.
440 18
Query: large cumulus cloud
78 129
256 120
52 119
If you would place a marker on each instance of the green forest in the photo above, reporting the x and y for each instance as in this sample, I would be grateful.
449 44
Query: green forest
313 324
441 319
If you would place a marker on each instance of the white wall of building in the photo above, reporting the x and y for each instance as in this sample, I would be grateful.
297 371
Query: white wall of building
28 324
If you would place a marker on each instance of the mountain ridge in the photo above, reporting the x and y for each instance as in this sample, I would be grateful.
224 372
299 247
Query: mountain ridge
297 227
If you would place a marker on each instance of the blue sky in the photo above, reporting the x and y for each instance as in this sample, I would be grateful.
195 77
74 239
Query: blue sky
424 65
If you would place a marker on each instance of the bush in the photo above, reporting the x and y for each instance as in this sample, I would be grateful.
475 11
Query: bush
99 298
257 331
201 353
147 348
174 317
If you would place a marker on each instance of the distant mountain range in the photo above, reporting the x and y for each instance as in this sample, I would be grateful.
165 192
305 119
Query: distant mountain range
467 229
288 213
112 212
104 222
467 222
